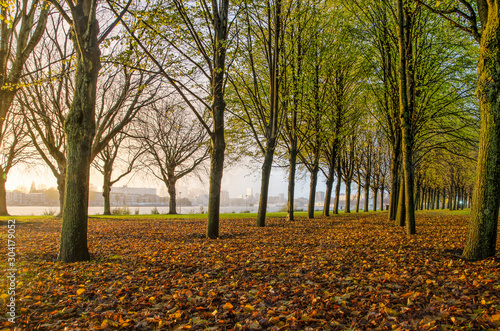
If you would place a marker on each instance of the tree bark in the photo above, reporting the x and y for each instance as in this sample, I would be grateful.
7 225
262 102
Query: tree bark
172 207
438 194
264 187
401 213
395 179
348 196
382 198
405 117
217 142
106 188
358 195
443 203
367 193
217 148
291 182
375 192
337 188
329 188
3 193
80 129
312 192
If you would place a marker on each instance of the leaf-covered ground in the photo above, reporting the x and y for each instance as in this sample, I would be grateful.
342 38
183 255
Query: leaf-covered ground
356 272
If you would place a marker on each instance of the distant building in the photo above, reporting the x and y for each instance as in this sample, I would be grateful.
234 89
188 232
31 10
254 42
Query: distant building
320 196
133 190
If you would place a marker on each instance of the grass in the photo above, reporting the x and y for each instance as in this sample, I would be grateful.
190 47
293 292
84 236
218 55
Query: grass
299 214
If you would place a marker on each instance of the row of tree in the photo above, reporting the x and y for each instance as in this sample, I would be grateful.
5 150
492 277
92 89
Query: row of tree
374 92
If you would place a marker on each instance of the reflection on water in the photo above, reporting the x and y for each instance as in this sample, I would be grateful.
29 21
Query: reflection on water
52 210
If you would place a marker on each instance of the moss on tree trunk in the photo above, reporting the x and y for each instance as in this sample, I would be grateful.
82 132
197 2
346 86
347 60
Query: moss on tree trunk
483 224
80 129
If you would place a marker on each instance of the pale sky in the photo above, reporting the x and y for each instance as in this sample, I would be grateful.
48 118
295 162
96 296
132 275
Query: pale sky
236 180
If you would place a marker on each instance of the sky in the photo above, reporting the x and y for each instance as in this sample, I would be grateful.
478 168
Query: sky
236 180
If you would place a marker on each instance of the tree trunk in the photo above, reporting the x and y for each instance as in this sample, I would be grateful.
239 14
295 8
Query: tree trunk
367 193
455 198
217 143
375 192
405 117
438 194
80 129
217 149
3 193
172 207
401 213
418 191
393 199
337 189
106 192
443 203
291 182
382 198
312 192
106 188
329 189
61 187
264 187
348 196
431 197
358 196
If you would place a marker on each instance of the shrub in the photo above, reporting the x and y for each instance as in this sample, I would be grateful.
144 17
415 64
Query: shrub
155 211
120 211
49 212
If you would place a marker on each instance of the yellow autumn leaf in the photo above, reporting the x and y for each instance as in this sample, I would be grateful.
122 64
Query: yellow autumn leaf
227 306
80 291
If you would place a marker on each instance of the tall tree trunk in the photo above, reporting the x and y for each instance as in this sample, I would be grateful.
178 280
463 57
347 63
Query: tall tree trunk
455 197
80 129
395 185
443 203
401 213
217 149
264 187
106 192
3 193
106 188
405 117
291 182
329 188
358 195
382 198
367 193
61 187
172 207
217 142
312 191
337 188
348 196
418 191
438 194
375 192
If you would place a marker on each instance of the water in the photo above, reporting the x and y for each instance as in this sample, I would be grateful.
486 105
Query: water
96 210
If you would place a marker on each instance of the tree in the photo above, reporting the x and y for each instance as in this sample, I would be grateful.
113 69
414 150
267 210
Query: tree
483 24
14 149
257 84
201 53
46 101
19 36
107 160
80 125
174 143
